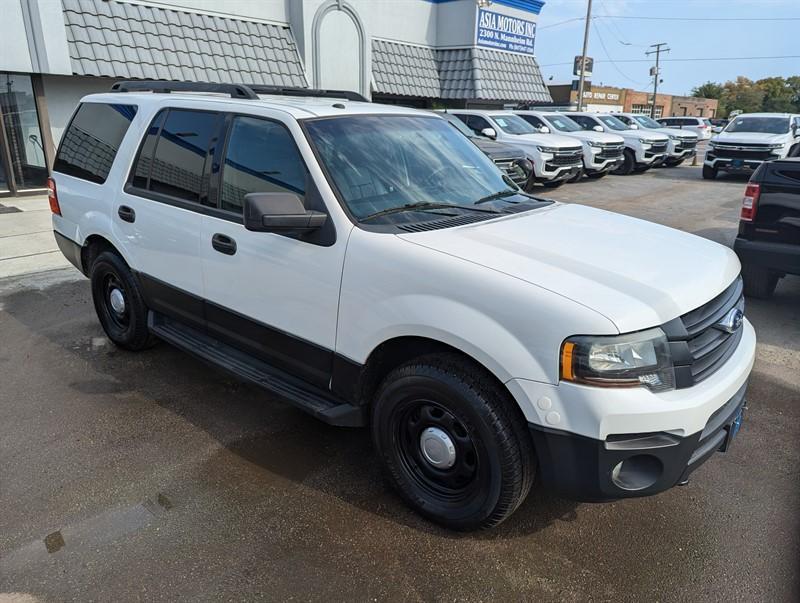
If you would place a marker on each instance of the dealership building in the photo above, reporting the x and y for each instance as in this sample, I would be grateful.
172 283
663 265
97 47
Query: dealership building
424 53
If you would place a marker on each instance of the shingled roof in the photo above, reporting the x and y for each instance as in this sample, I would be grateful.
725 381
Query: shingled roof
466 73
117 39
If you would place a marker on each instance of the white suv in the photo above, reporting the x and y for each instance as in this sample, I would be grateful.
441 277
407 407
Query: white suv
602 152
749 139
682 145
697 125
556 159
643 150
373 267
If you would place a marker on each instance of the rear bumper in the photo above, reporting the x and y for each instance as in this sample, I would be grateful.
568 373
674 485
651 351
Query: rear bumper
780 257
70 249
630 465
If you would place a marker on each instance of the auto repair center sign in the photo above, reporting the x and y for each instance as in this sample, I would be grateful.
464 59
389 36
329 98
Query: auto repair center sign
502 32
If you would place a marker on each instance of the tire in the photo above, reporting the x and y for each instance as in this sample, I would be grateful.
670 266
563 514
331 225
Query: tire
794 151
492 456
709 173
577 177
673 163
596 175
628 165
125 327
759 282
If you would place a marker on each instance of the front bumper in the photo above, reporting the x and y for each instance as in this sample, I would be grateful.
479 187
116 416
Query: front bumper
630 465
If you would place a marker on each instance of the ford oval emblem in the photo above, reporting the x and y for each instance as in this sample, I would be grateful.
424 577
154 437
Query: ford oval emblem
731 321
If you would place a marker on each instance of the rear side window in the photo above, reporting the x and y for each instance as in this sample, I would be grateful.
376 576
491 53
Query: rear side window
261 157
91 141
587 123
173 156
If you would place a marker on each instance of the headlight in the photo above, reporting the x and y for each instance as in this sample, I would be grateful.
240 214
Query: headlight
671 137
631 360
776 146
595 144
643 141
547 149
712 145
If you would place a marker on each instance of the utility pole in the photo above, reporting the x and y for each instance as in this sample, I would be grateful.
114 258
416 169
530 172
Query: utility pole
583 56
658 50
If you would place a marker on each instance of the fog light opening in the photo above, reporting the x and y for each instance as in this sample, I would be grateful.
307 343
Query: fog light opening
637 472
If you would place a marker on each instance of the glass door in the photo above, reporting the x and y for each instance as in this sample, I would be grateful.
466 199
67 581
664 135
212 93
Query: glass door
24 166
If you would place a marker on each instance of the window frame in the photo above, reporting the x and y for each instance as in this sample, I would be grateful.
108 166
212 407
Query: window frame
116 154
216 178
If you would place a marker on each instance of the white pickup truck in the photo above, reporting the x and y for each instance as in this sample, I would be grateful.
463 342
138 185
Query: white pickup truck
602 152
643 150
749 139
682 145
556 159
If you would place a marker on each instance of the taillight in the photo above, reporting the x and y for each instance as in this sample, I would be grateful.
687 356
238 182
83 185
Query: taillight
52 196
750 202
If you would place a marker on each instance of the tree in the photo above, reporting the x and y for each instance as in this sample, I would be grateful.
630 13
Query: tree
708 90
743 94
778 95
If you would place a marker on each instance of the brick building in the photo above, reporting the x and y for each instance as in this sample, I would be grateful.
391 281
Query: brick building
611 99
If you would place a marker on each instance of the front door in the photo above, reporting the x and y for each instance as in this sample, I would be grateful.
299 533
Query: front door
273 295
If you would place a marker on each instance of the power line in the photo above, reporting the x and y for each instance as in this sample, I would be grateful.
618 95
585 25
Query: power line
699 18
605 50
684 60
559 23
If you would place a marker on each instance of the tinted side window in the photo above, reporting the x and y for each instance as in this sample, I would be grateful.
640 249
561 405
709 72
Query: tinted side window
477 123
92 140
261 157
141 171
587 123
180 155
533 120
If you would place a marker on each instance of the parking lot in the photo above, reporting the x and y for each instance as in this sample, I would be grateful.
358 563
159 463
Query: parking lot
152 476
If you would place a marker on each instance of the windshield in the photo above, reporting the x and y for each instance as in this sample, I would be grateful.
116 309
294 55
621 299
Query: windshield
612 122
513 124
762 125
647 122
382 162
563 124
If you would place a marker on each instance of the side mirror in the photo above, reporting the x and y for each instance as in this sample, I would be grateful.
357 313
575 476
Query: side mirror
489 133
597 128
544 130
633 126
280 212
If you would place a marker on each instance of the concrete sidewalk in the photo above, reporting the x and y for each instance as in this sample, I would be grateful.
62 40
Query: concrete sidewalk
27 245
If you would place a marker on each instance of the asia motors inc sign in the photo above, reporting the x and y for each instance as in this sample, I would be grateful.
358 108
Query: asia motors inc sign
502 32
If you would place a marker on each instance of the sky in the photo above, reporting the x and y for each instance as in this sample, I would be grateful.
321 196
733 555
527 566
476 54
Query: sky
616 36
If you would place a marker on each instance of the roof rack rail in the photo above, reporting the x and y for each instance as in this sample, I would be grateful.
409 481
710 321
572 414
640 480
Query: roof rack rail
295 91
235 90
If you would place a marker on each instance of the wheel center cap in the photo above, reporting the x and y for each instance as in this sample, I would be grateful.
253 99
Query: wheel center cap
117 301
437 448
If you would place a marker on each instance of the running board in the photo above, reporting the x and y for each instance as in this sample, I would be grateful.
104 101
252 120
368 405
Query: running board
317 402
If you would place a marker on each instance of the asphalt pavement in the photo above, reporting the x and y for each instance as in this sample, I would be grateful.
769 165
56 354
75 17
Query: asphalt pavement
151 476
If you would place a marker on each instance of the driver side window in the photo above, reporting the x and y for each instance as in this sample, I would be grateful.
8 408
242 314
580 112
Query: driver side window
587 123
477 124
260 157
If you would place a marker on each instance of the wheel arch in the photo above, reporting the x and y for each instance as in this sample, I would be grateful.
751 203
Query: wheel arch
93 245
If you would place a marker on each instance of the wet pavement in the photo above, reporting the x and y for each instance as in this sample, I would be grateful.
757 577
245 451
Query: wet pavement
152 476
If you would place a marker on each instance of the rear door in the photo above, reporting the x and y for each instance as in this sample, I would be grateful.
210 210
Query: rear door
160 213
273 295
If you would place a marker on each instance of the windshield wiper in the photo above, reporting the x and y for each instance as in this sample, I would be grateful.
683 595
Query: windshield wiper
497 195
426 207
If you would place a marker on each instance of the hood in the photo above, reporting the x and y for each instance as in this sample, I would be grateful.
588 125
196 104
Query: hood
497 150
650 135
748 137
674 132
635 273
594 136
545 140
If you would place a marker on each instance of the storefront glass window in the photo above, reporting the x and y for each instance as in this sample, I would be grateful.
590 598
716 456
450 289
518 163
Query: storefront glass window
22 133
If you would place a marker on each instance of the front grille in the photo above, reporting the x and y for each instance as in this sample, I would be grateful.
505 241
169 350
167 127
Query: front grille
570 159
513 170
686 145
658 147
611 152
699 346
749 153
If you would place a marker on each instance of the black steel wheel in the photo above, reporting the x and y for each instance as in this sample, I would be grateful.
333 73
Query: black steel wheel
118 302
452 443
